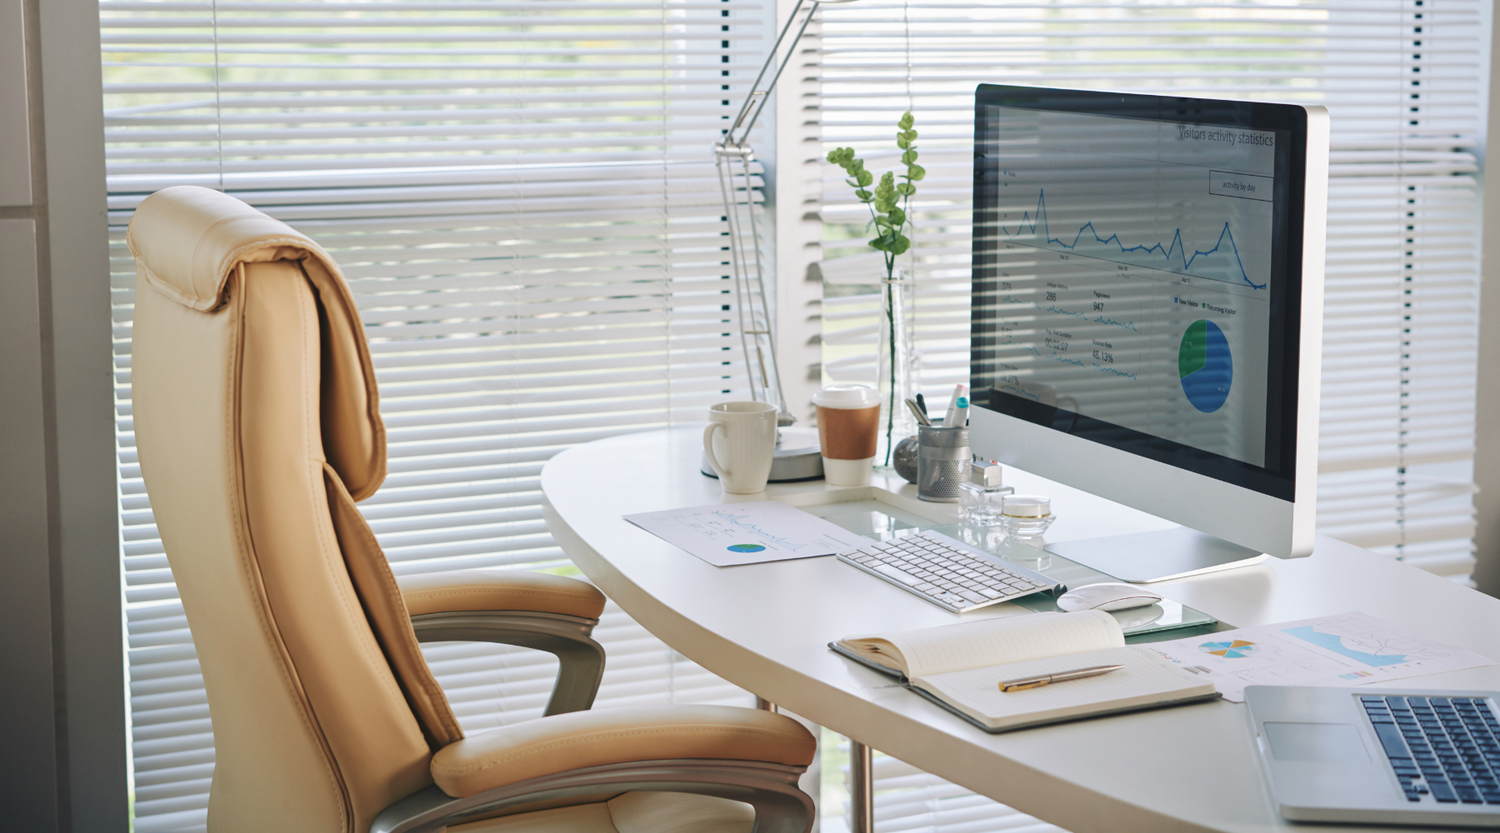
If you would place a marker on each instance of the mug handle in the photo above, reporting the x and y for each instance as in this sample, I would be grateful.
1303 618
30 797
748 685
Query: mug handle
708 449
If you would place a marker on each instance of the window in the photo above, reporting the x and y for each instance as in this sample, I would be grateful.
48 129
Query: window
1404 82
522 195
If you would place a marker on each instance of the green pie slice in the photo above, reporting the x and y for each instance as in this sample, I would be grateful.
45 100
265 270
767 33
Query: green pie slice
1192 356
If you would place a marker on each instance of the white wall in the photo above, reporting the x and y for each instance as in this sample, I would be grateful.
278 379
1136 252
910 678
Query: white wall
62 703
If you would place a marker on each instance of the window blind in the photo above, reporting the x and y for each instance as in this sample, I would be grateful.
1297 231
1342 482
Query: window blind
523 198
1404 82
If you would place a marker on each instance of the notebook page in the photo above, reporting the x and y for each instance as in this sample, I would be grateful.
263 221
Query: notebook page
997 641
1145 679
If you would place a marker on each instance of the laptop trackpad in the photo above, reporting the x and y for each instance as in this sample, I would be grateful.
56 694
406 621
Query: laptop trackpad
1334 743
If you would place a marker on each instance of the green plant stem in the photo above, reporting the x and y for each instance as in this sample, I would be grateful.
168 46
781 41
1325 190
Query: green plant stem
888 257
887 202
888 300
890 318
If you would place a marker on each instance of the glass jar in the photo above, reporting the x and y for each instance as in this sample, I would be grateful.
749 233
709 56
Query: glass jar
979 505
1025 516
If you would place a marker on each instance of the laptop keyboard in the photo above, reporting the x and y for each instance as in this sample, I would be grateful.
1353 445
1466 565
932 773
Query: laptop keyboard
1444 747
946 572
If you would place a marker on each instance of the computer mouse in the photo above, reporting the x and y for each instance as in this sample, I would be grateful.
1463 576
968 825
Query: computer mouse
1138 617
1106 596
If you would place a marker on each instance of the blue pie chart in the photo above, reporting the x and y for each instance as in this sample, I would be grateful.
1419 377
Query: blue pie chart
1205 366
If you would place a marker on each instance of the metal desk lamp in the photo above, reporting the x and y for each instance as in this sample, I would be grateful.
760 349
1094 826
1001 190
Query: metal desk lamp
734 158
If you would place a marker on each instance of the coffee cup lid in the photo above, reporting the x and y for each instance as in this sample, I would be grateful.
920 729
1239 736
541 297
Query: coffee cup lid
846 396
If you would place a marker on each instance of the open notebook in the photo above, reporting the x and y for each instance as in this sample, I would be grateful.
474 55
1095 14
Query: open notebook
961 667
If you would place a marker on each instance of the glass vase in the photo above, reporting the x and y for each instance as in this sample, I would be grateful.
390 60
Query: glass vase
896 364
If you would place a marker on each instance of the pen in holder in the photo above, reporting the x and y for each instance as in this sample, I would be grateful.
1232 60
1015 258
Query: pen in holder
942 462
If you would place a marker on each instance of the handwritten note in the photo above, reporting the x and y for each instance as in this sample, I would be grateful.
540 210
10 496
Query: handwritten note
727 535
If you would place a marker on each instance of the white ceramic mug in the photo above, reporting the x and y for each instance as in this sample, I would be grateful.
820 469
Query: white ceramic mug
739 442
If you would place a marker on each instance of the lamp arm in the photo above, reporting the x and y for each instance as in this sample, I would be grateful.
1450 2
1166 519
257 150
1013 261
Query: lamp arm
755 91
749 280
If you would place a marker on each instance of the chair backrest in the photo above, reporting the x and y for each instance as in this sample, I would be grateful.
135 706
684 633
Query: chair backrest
257 425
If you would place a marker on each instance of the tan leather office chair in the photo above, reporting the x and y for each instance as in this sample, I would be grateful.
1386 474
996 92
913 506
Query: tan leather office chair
257 426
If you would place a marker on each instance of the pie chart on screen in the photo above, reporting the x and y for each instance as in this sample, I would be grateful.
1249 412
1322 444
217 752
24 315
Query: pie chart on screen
1205 366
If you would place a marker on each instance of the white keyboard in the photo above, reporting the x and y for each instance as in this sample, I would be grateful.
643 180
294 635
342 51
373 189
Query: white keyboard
946 571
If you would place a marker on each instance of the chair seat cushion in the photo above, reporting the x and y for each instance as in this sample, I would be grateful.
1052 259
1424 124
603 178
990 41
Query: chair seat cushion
576 740
637 812
499 590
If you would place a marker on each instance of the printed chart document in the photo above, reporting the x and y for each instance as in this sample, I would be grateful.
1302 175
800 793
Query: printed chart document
730 534
960 667
1348 649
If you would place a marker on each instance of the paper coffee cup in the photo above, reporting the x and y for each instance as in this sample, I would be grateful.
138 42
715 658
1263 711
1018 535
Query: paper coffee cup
848 428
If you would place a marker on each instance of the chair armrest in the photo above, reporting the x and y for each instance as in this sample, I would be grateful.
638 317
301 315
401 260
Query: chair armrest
742 754
531 610
537 748
771 789
468 590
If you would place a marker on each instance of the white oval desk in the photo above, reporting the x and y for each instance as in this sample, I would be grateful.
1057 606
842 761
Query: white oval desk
766 628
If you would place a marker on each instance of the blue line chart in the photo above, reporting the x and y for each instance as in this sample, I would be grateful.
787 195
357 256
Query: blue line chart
1156 248
1097 319
1082 316
1069 360
1011 387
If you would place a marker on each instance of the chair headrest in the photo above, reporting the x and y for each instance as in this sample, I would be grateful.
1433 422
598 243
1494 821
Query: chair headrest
188 240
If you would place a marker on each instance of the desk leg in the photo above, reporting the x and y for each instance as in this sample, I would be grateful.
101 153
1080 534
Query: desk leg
861 789
861 780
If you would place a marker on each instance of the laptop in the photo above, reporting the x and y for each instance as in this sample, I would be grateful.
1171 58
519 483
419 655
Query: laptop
1380 755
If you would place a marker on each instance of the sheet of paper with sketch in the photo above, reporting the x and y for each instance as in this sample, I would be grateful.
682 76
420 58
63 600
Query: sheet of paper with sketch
730 534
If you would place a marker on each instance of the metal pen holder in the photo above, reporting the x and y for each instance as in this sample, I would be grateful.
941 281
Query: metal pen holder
942 462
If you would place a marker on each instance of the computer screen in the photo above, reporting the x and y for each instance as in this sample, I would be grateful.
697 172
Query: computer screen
1140 281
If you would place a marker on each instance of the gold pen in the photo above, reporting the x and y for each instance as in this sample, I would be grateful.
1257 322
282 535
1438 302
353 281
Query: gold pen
1061 676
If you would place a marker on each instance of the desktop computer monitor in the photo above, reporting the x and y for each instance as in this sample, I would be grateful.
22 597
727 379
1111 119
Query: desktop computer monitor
1147 314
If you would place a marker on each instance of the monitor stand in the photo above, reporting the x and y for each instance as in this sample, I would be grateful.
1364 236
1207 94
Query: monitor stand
1144 557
